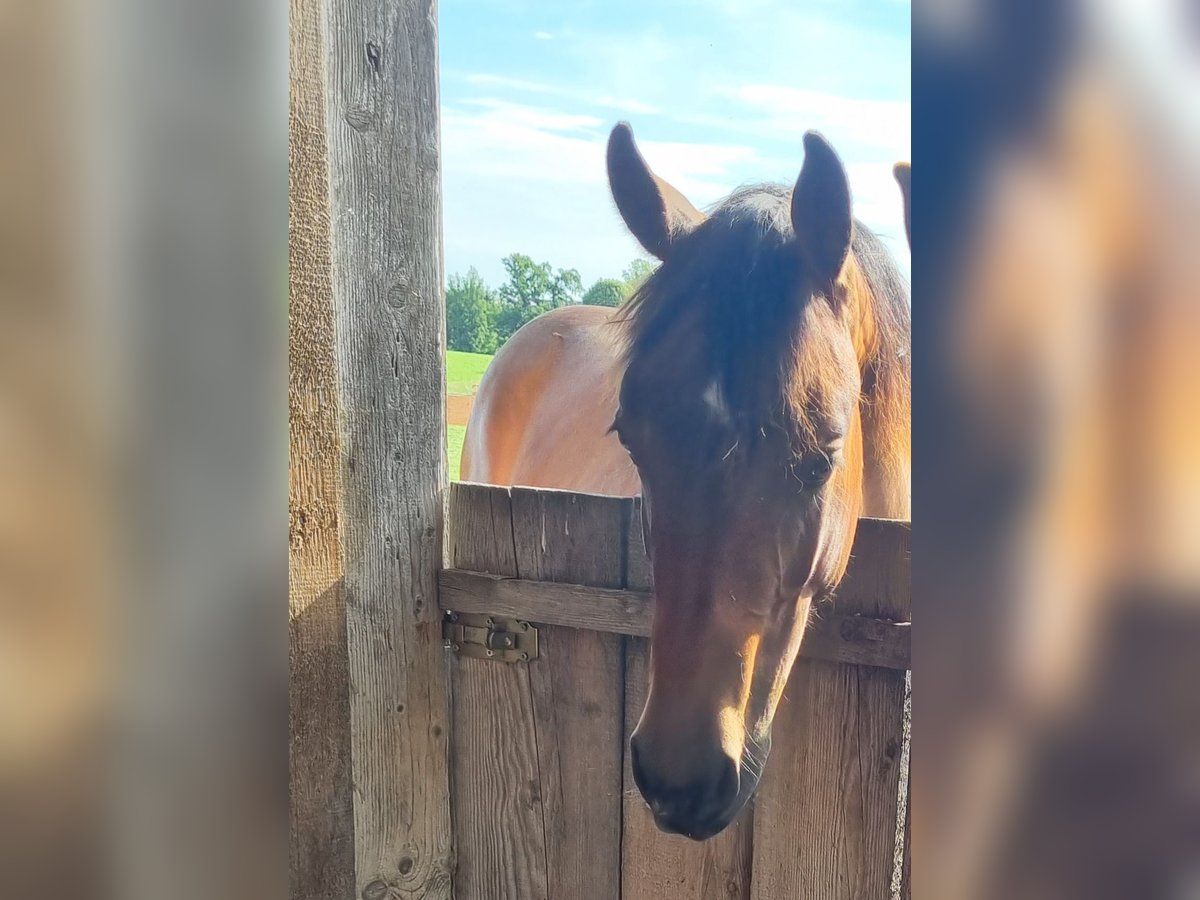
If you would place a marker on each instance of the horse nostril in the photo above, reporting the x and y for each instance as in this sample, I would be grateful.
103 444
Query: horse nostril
696 807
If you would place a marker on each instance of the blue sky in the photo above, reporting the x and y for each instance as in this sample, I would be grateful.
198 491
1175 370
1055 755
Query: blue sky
719 93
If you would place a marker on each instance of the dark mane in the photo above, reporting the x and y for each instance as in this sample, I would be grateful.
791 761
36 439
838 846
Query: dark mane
888 377
737 285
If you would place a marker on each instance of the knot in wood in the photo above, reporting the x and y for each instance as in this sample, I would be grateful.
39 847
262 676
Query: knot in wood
374 55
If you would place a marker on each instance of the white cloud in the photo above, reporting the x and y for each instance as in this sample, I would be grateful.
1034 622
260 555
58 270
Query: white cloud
785 112
537 144
517 114
552 90
532 180
543 36
737 9
683 70
635 107
705 173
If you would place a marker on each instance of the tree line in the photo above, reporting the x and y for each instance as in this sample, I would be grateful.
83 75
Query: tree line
479 319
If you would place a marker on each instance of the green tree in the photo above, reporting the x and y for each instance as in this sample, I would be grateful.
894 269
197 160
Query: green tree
606 292
471 312
568 285
532 289
635 273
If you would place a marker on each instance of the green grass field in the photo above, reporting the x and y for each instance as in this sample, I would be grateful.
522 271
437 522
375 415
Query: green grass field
464 371
454 445
463 374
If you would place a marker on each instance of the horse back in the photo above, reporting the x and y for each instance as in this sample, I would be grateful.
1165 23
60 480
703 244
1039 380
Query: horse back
542 414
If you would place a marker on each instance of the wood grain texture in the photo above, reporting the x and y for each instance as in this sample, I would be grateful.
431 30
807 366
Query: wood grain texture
878 581
902 853
906 860
657 866
880 584
495 785
639 573
321 836
547 602
825 821
385 234
577 686
851 639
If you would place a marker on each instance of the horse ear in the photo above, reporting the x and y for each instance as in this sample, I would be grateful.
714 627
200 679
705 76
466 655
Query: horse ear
821 211
903 174
654 212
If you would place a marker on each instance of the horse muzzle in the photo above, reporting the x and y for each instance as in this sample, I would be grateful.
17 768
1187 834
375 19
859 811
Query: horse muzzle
700 805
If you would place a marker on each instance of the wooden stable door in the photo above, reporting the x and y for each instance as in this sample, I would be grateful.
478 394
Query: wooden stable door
548 614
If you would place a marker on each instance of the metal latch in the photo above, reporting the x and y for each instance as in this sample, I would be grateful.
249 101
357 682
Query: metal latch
490 637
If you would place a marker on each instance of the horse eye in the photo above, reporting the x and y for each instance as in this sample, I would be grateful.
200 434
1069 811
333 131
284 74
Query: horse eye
815 471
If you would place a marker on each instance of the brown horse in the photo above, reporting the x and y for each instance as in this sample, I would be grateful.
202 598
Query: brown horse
755 392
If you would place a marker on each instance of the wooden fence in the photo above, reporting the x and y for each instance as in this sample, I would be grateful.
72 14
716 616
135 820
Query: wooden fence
543 805
422 772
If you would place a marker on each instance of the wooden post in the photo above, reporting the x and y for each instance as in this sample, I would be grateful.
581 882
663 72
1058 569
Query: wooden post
321 833
385 227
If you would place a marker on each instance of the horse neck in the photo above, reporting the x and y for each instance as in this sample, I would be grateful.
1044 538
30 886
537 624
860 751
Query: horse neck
885 407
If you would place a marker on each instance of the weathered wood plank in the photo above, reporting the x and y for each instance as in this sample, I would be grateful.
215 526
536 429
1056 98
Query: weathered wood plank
878 581
572 538
639 573
496 797
906 861
881 585
385 228
836 638
858 640
811 812
578 690
321 837
904 829
825 821
547 602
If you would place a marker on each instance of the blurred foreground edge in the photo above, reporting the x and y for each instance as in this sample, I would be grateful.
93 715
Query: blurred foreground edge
1057 460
